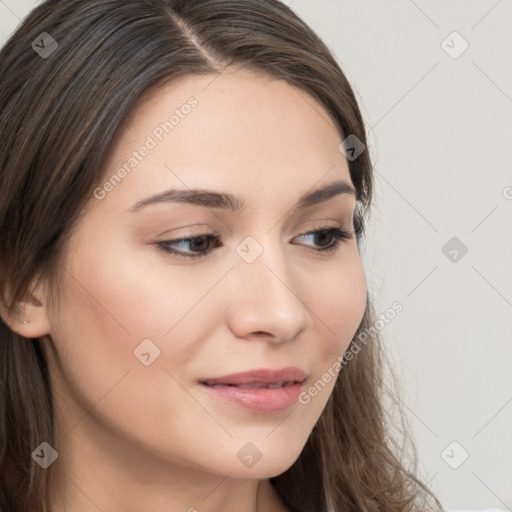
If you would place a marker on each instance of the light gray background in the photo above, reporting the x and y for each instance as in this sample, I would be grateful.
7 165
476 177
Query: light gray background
440 139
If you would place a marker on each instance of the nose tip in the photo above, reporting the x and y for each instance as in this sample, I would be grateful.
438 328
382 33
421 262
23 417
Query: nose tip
265 303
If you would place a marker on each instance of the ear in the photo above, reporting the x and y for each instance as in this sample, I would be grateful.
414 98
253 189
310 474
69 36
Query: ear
29 316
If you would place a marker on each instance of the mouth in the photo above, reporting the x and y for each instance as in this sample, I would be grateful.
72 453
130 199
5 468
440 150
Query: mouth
263 391
259 378
255 385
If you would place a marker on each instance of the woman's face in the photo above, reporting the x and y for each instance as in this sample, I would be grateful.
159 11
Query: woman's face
140 324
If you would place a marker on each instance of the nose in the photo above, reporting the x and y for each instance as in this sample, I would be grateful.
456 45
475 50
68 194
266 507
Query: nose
266 299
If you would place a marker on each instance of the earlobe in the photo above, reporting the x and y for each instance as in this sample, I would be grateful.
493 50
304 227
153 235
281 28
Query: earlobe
28 317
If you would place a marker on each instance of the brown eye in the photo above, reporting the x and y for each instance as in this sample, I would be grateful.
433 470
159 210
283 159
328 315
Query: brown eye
334 237
199 246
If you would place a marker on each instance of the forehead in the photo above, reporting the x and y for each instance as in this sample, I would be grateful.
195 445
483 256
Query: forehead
241 131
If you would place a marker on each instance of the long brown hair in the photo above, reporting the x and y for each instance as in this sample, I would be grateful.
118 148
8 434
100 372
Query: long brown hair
59 112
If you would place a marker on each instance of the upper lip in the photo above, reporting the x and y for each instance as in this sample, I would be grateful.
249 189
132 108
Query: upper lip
264 376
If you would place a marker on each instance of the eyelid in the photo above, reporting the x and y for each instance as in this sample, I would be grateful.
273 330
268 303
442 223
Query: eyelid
316 225
195 230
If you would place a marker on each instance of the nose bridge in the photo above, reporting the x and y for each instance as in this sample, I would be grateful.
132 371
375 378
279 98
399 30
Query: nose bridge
265 298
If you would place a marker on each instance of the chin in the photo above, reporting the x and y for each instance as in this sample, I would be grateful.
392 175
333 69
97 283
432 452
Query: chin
261 460
263 469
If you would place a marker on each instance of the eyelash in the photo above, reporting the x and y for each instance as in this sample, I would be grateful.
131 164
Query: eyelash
338 234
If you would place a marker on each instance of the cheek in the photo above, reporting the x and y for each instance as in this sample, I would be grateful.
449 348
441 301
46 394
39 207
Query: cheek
339 301
121 298
95 331
92 346
112 303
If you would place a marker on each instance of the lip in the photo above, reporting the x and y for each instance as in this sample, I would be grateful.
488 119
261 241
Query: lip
259 397
263 375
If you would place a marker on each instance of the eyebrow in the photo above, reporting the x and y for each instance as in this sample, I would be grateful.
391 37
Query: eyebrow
210 199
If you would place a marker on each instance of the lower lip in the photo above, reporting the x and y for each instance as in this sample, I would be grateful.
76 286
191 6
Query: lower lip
263 400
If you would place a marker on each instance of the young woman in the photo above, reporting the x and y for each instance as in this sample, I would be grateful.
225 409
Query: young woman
185 317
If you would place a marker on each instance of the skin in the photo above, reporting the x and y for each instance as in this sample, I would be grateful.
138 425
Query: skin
132 437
